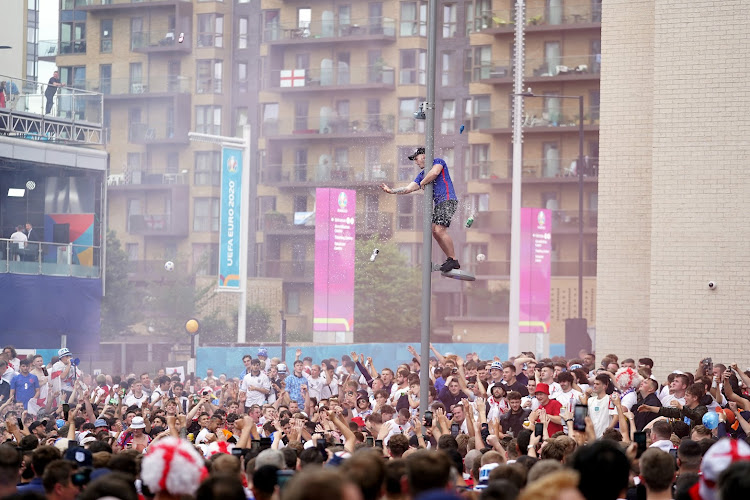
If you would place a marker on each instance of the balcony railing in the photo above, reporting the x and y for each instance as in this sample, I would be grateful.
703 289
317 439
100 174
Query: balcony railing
535 168
566 67
147 178
563 221
341 76
297 271
322 127
156 132
159 41
375 27
553 117
502 268
569 14
134 3
51 259
327 174
141 87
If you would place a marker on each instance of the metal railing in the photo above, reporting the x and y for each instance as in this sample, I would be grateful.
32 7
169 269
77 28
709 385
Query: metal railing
51 259
327 173
579 66
569 13
157 40
146 177
371 27
342 75
152 85
535 168
147 133
562 116
357 125
94 3
66 114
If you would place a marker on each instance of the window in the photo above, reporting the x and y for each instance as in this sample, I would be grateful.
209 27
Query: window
406 171
205 258
209 79
413 67
406 212
480 161
447 78
479 16
479 202
406 120
292 302
304 16
207 168
477 112
210 30
242 24
270 118
208 120
301 110
482 63
136 78
242 76
240 120
136 33
449 21
105 78
413 19
132 251
73 37
271 25
412 252
206 214
448 118
105 36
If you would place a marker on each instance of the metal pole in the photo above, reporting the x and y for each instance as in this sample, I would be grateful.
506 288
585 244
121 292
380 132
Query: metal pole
244 236
580 168
424 372
283 336
515 214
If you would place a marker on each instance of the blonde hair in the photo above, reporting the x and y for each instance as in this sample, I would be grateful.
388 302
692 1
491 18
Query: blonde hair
550 486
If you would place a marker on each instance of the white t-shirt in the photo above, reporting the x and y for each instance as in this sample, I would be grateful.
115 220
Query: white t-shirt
601 411
315 385
131 400
569 399
666 400
156 395
201 437
255 397
397 429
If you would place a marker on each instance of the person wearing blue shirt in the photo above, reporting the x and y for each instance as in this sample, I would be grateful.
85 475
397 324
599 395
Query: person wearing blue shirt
444 199
24 386
294 383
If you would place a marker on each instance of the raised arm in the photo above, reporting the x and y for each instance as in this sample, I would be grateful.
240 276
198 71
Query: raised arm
440 358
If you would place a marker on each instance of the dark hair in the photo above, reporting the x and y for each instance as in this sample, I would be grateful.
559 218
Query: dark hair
657 469
427 470
604 470
264 479
394 470
515 473
565 377
43 456
397 445
734 481
366 469
447 441
114 484
25 362
56 472
224 486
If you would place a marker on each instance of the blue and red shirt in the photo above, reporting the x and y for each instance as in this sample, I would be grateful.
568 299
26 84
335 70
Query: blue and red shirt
442 189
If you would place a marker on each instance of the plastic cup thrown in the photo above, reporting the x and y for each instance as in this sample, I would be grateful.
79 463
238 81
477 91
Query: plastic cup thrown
182 37
374 255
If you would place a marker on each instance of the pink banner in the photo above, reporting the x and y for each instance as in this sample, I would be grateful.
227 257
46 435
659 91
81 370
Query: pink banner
536 270
333 304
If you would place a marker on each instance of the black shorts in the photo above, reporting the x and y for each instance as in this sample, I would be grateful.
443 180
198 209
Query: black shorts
443 212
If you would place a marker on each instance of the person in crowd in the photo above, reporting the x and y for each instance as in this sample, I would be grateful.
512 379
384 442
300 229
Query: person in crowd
25 385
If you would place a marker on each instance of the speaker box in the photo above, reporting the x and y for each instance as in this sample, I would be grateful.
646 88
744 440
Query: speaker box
576 337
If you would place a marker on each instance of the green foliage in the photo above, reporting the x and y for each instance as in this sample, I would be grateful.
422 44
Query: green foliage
386 294
122 304
258 322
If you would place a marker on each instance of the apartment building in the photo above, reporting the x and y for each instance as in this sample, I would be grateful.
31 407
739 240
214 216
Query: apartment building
330 90
340 84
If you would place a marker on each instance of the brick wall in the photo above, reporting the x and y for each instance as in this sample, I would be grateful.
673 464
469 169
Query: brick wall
673 184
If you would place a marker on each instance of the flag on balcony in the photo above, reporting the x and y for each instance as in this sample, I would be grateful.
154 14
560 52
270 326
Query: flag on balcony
292 77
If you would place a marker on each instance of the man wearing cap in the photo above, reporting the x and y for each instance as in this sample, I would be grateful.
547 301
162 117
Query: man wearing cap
64 373
548 408
444 199
265 363
100 425
39 429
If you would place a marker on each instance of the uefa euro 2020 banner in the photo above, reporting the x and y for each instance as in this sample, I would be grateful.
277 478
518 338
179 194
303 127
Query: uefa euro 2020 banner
230 225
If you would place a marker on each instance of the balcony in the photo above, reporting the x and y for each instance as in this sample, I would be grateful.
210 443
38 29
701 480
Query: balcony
159 224
140 180
580 14
326 175
118 5
156 133
493 269
561 69
333 31
552 119
50 259
292 271
563 222
289 224
326 128
154 87
343 77
159 42
536 170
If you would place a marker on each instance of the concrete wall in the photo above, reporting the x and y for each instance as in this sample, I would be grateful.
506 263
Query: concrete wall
673 182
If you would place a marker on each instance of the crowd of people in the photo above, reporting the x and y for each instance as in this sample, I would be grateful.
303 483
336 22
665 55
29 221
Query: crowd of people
525 428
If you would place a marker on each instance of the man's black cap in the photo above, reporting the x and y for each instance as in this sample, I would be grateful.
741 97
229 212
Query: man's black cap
419 151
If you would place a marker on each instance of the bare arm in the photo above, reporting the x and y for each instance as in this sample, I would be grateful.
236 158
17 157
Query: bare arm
345 431
409 188
431 175
440 358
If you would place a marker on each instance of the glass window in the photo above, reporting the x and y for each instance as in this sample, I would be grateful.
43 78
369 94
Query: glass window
413 67
242 32
406 213
208 119
240 120
105 36
210 30
136 33
242 76
207 170
482 62
449 21
206 214
448 117
406 121
447 78
73 37
271 25
413 19
292 302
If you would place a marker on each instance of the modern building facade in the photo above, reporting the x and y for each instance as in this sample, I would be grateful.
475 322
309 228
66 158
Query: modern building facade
20 34
329 90
673 184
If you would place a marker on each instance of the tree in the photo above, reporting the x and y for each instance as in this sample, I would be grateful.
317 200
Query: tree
386 294
122 304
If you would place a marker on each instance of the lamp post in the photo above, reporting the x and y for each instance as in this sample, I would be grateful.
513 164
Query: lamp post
579 172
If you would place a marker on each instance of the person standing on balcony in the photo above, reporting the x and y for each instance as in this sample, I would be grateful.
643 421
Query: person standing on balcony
53 86
444 199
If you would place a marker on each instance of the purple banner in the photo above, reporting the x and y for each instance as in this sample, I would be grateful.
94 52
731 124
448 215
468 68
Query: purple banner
333 305
536 270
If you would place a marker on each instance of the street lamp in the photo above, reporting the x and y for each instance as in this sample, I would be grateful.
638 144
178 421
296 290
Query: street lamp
579 171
